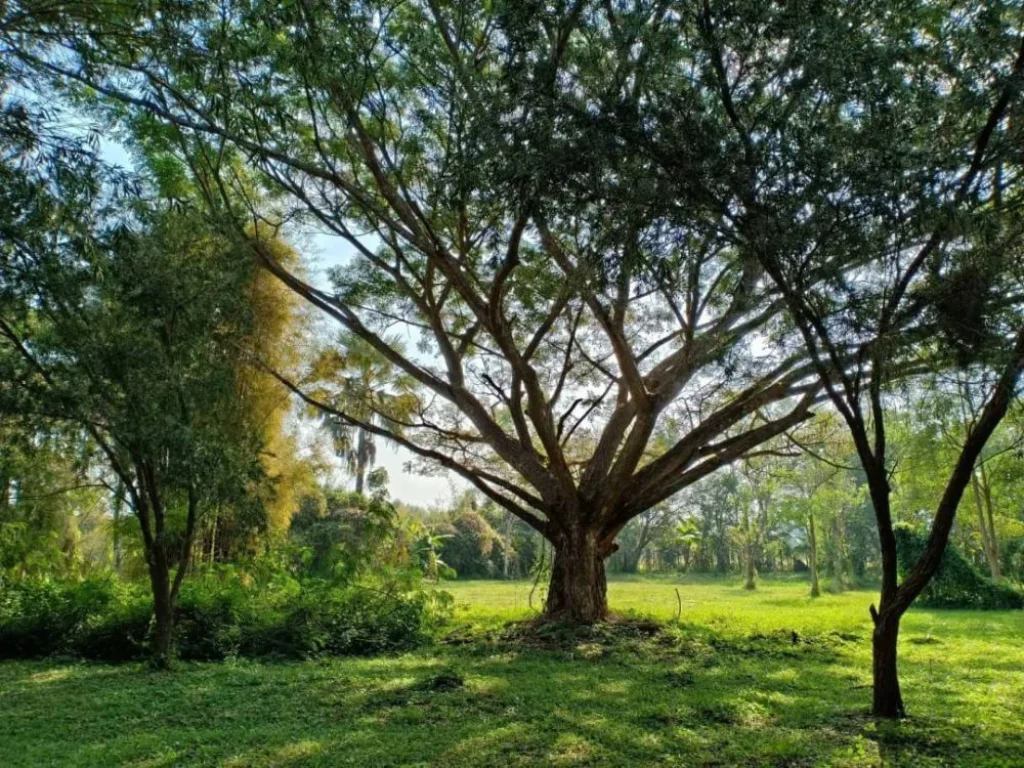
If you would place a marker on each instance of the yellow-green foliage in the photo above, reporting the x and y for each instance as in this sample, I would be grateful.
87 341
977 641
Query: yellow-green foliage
275 341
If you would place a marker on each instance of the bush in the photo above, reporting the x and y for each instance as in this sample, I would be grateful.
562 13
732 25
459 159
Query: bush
218 617
957 583
121 633
354 620
44 617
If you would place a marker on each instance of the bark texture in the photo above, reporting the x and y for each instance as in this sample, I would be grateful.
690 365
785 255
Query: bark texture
887 699
578 591
163 610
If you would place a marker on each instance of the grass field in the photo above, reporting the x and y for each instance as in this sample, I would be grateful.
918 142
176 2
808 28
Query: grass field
767 678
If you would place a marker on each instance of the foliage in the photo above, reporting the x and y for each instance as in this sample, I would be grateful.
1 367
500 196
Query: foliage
52 520
219 617
957 583
569 325
345 534
355 379
94 617
469 544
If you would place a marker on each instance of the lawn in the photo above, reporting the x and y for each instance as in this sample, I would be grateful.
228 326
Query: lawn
764 678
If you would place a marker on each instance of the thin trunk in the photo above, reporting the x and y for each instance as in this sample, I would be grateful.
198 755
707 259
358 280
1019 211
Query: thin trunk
116 534
213 535
982 492
578 590
986 495
362 459
507 545
749 550
986 545
813 556
838 570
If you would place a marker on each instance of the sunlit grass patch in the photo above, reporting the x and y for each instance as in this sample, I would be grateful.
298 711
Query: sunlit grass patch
764 678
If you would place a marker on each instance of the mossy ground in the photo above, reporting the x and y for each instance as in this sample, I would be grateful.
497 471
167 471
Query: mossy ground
764 678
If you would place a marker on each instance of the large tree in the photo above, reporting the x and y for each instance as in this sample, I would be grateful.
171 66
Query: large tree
582 353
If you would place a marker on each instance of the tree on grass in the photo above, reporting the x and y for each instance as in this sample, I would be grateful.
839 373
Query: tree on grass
876 147
430 137
127 328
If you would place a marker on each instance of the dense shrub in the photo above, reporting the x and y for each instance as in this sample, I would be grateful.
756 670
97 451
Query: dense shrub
44 617
957 583
218 617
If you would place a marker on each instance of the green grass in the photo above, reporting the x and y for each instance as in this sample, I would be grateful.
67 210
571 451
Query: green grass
764 678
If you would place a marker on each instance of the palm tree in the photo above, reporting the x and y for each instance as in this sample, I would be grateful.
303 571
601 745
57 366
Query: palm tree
357 381
430 548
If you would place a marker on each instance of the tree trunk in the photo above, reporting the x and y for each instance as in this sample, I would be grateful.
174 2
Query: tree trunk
813 557
163 609
838 565
888 701
986 521
362 459
631 560
213 535
578 590
506 544
751 569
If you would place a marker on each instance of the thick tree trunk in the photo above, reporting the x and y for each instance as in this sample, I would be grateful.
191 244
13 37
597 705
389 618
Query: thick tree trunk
888 701
578 591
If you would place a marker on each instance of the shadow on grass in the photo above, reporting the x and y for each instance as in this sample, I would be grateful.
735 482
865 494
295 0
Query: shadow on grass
622 694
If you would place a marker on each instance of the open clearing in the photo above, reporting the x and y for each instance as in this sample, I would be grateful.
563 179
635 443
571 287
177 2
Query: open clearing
767 678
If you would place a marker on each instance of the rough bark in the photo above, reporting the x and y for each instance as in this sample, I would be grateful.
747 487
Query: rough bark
887 699
578 590
163 609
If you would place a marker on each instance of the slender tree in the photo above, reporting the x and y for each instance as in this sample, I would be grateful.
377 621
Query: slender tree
124 329
355 379
878 146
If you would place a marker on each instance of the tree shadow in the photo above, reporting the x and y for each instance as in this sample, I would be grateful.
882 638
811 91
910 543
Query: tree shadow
685 695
